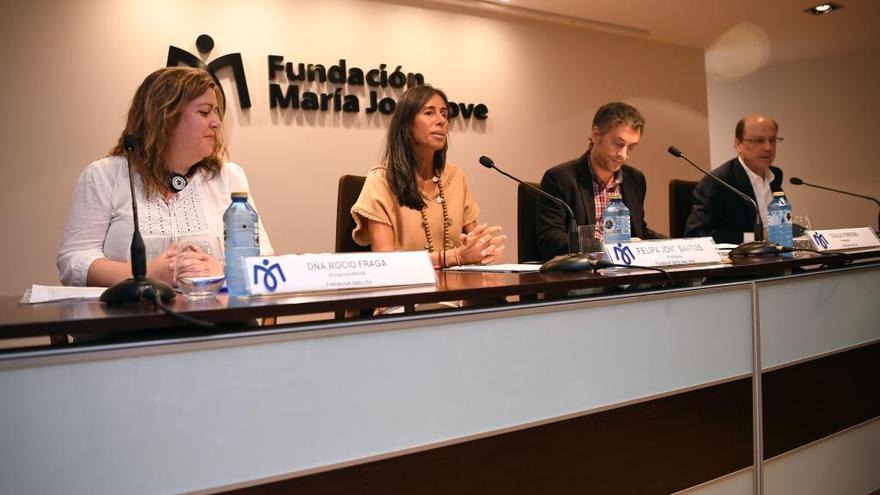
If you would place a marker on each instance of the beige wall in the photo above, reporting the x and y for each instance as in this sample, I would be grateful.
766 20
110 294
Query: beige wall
72 68
827 111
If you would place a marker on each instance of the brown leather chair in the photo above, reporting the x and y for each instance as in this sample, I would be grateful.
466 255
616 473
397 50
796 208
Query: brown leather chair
681 199
526 222
349 189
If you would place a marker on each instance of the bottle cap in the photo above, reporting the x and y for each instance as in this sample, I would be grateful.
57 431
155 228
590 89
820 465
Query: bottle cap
778 193
239 195
615 195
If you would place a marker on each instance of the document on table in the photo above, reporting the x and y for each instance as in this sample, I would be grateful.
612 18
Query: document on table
48 293
500 268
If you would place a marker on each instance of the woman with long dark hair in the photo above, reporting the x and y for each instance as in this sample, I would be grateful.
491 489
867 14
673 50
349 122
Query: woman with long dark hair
415 200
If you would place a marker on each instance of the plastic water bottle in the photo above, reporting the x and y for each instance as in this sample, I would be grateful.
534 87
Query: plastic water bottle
241 238
779 220
615 221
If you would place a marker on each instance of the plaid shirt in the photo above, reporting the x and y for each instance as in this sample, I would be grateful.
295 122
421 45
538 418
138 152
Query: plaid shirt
601 198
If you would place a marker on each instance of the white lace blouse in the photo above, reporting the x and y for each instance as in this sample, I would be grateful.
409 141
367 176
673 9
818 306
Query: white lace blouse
99 220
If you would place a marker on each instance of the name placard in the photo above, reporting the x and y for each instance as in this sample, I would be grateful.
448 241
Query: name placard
827 240
319 272
664 252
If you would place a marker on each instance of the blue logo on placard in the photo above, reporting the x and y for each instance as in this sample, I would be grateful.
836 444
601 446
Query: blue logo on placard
820 240
270 282
624 254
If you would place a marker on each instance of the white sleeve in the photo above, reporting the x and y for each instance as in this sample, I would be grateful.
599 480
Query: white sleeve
239 183
88 219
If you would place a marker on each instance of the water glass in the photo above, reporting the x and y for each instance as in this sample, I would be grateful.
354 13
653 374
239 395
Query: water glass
198 265
156 245
800 224
589 239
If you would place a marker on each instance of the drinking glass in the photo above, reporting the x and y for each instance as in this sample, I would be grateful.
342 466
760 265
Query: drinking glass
198 265
156 245
589 240
800 224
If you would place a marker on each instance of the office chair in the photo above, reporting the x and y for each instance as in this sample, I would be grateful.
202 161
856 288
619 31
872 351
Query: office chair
681 199
526 222
349 189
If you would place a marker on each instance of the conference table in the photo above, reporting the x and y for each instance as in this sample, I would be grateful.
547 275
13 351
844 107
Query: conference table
759 375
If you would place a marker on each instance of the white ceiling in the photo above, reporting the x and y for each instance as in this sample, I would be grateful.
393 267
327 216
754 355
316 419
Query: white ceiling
781 25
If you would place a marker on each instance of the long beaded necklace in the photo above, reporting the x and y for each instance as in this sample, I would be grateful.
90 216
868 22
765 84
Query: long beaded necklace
447 243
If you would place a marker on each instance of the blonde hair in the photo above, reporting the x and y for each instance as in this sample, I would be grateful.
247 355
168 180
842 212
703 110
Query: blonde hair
155 111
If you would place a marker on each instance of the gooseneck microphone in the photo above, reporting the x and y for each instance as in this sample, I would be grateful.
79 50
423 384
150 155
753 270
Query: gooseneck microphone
571 262
757 248
140 287
798 181
572 224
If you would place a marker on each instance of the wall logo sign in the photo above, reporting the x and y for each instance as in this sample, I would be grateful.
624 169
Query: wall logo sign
205 44
302 86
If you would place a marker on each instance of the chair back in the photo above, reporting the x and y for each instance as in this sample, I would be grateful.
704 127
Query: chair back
681 199
349 189
526 222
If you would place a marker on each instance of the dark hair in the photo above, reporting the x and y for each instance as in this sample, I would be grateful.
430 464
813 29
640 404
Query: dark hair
399 155
740 130
611 114
154 112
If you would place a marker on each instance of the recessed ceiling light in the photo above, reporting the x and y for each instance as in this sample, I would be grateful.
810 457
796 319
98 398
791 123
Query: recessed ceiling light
823 8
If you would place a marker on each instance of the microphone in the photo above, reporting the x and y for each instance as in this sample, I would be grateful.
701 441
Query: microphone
757 248
139 287
572 224
797 181
572 262
581 262
138 250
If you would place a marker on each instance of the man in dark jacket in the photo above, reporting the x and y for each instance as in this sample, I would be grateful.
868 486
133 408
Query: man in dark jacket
717 211
586 183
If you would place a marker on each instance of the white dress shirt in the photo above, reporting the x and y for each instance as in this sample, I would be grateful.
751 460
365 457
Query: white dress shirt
99 220
761 187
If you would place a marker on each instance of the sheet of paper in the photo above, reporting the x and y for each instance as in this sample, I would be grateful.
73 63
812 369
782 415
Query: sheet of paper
502 268
49 293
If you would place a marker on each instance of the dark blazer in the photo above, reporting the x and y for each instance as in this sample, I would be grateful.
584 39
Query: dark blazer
572 182
720 213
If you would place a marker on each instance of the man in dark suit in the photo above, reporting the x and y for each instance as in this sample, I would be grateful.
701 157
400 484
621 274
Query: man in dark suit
719 213
586 183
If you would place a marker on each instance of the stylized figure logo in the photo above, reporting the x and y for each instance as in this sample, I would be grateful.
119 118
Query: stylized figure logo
624 254
270 281
205 44
820 240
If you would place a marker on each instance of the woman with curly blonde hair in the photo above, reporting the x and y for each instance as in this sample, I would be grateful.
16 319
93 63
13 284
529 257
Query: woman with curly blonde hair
181 179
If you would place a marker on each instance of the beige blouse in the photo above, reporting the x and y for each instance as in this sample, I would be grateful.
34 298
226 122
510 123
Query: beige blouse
378 203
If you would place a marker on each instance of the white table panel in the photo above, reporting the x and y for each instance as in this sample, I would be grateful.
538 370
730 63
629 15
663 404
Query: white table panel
181 418
813 315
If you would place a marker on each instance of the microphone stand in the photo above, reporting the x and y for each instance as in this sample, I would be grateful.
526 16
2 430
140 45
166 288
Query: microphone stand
140 287
759 247
574 261
797 182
